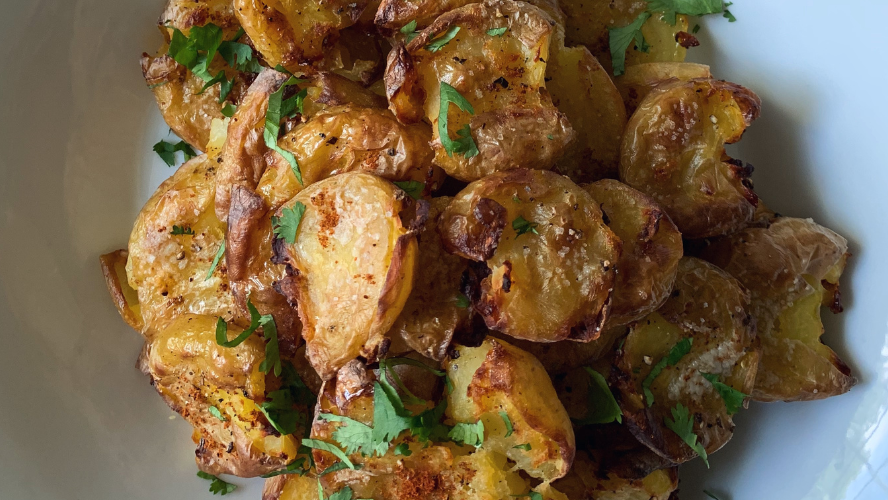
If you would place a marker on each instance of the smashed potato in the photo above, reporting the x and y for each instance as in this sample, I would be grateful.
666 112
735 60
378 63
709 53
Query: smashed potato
564 355
172 248
711 309
638 81
510 121
433 313
791 269
588 480
351 265
652 247
549 258
125 298
673 151
394 14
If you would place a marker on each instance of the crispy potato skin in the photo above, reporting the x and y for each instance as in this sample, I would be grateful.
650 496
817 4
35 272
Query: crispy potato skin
790 268
564 355
639 80
588 480
170 272
185 14
351 268
673 151
543 287
582 89
431 316
499 377
125 298
295 33
652 248
515 124
191 373
712 308
588 22
392 15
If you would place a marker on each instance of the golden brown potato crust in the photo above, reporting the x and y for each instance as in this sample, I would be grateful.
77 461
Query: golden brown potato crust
126 300
639 80
515 124
589 480
673 151
652 247
551 283
711 308
790 269
394 14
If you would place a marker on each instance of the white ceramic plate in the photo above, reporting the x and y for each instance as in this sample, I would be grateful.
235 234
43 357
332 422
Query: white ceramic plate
77 421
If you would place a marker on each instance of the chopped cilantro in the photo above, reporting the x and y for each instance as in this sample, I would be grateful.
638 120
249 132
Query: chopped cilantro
228 110
438 43
336 467
287 225
462 301
403 449
295 467
217 486
216 413
670 8
465 145
468 434
733 398
603 407
182 230
276 110
324 446
522 226
696 29
533 495
683 426
409 29
216 259
197 50
412 188
677 352
525 447
623 38
272 361
727 14
167 151
508 422
497 31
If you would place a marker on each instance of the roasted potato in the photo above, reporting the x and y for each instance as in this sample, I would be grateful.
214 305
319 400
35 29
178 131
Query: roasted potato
559 357
588 480
549 260
589 22
351 265
359 55
327 90
673 151
125 298
193 374
511 119
170 271
498 378
433 313
346 139
652 247
790 268
185 14
712 310
638 81
295 33
392 15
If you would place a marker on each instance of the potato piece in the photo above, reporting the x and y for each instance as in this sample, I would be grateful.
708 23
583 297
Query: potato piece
169 271
638 81
587 480
295 33
712 309
392 15
346 139
193 373
432 314
359 55
673 150
125 298
552 283
352 266
652 247
790 268
327 90
185 14
582 89
589 21
497 377
514 123
559 357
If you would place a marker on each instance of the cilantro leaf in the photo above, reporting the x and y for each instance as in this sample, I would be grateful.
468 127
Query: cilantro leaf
682 425
508 422
167 151
336 467
287 225
390 362
343 494
427 425
295 467
462 301
438 43
321 445
497 31
272 361
677 352
468 434
727 14
222 334
533 495
196 50
733 398
403 449
273 125
182 230
409 29
603 407
465 145
687 7
354 436
228 110
622 38
525 447
279 411
217 413
413 188
710 495
219 254
217 486
522 226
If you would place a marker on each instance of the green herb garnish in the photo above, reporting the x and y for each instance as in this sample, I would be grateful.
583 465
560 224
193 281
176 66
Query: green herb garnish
219 254
677 352
437 44
732 397
217 486
623 38
167 151
497 31
603 407
682 425
182 230
465 145
522 226
287 225
412 188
